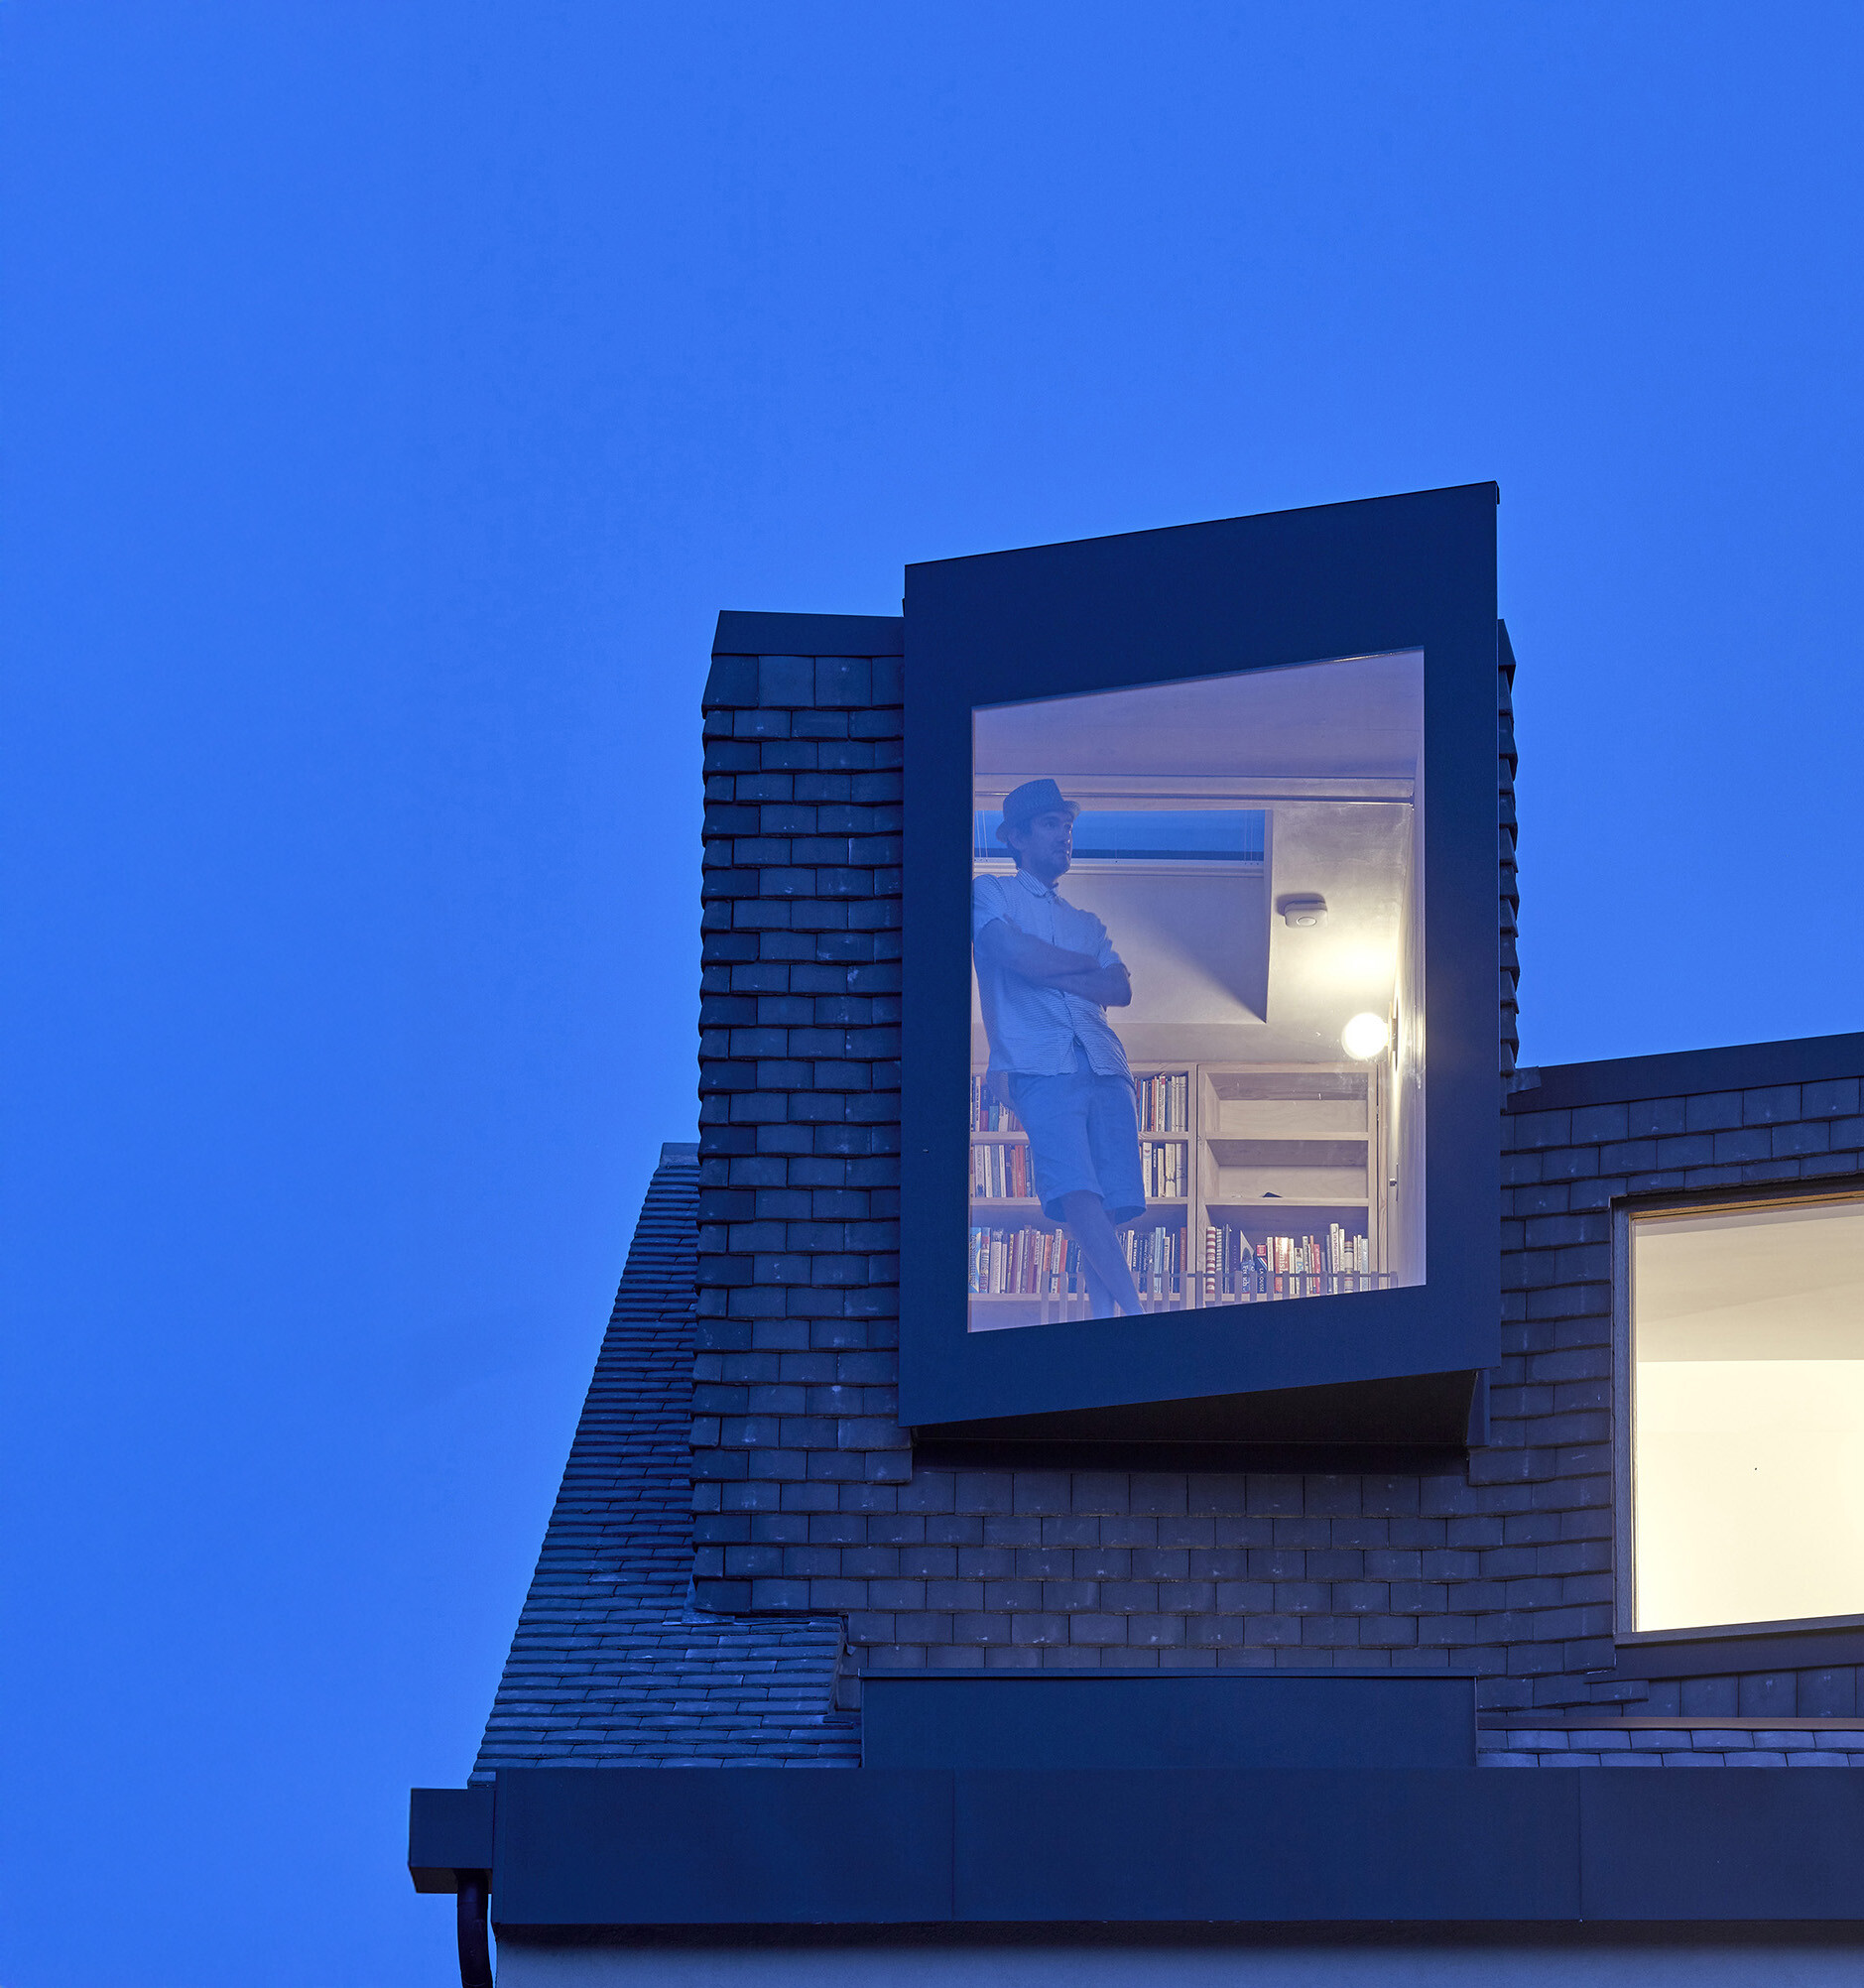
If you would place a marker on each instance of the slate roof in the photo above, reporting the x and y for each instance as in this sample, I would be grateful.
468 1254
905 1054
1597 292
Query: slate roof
611 1663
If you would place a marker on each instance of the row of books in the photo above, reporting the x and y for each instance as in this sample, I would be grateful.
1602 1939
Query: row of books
988 1112
1276 1288
1003 1173
1235 1266
1155 1256
1033 1263
1165 1165
1045 1263
1164 1104
1000 1173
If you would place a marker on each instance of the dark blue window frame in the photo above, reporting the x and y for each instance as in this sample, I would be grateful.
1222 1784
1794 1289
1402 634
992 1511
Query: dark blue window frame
1414 572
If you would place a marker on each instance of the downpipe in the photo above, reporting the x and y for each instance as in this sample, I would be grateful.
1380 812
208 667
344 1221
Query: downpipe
475 1937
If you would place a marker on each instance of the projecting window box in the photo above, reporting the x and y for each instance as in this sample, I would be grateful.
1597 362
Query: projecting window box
1168 814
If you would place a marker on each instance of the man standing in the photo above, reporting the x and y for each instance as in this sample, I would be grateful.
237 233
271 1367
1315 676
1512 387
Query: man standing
1047 973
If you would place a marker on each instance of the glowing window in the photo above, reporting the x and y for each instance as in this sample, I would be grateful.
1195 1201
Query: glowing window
1198 1006
1747 1414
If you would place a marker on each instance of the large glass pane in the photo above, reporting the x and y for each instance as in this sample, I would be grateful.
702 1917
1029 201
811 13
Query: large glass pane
1748 1414
1198 1005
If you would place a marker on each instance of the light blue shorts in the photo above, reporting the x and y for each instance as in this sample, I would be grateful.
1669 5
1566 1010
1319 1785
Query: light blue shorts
1083 1133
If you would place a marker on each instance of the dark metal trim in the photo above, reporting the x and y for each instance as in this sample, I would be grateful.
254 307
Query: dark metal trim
754 634
1787 1646
1132 1847
476 1938
1660 1653
1414 572
1687 1072
1746 1722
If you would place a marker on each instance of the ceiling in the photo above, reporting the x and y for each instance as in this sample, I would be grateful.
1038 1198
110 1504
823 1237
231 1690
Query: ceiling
1360 717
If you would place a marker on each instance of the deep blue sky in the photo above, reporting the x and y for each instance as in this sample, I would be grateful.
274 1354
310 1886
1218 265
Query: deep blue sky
393 391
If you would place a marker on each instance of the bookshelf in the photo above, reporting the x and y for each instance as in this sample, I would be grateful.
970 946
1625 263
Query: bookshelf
1281 1158
1026 1255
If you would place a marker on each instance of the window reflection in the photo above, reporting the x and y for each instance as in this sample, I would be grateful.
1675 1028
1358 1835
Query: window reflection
1198 1031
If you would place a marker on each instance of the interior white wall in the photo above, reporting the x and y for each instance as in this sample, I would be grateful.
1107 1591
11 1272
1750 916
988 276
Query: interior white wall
1747 1415
1750 1502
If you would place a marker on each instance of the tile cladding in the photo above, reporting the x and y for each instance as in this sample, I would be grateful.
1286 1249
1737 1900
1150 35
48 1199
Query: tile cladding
1506 853
611 1663
807 1507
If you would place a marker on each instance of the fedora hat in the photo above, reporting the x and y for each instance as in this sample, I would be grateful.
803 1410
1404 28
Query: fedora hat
1032 798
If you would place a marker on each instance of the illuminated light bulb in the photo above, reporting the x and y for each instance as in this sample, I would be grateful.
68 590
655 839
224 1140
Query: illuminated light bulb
1364 1037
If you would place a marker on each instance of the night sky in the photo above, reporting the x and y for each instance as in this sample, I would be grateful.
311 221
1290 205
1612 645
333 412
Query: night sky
393 393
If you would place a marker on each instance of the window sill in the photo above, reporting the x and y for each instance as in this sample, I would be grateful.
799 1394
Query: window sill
1806 1645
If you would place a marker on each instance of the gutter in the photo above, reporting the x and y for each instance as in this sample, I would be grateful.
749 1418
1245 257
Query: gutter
450 1850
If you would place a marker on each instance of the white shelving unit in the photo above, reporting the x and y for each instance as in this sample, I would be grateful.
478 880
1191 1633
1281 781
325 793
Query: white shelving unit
1270 1150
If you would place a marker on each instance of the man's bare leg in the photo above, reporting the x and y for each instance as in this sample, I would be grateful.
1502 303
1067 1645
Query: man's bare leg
1090 1224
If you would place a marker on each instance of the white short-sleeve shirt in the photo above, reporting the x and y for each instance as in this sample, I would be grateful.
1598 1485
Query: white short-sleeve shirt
1033 1030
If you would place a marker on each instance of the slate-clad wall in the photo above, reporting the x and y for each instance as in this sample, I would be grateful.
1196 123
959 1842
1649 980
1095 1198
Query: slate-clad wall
611 1663
1626 1745
1551 1409
805 1493
794 1382
1506 853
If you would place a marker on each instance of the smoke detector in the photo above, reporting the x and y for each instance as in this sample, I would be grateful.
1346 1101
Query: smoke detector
1304 911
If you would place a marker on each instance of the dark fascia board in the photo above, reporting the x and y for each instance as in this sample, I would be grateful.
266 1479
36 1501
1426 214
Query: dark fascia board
449 1830
1149 1844
619 1846
1488 492
1688 1073
1165 1941
1801 1648
1201 600
1330 1673
1657 1722
645 1847
1423 1413
1235 1718
996 1451
752 633
1738 1844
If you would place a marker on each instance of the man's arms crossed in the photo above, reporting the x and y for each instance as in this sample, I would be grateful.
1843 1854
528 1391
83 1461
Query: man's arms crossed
1000 943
